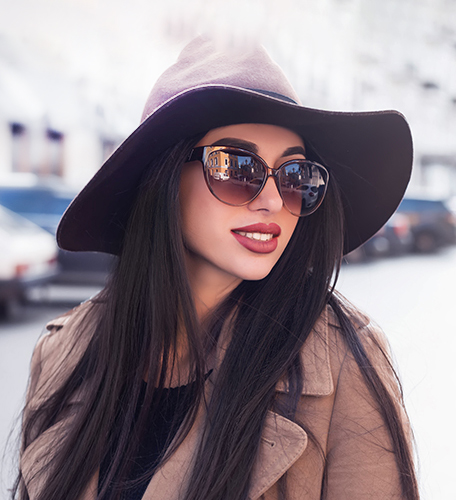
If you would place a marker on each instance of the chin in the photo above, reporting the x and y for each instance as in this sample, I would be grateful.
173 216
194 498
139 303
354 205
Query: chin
255 274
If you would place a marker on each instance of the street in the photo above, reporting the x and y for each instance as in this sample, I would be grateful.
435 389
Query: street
410 297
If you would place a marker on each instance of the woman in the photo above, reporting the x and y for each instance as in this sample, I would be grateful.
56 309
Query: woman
218 363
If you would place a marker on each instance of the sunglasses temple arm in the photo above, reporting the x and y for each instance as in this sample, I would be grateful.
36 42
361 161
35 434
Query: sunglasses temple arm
196 154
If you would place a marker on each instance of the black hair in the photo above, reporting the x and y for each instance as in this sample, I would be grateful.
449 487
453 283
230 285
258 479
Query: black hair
148 303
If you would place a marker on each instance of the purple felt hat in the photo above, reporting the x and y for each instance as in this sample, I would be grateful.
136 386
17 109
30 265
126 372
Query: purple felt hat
369 153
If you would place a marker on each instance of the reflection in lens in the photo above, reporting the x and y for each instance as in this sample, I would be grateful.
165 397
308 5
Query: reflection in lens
302 186
234 178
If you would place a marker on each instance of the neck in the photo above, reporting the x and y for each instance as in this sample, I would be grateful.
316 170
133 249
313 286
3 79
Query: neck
210 285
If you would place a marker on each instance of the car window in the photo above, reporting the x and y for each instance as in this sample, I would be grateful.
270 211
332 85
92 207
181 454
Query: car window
415 205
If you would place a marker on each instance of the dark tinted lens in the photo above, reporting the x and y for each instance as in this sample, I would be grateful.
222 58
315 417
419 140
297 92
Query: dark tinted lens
234 177
303 186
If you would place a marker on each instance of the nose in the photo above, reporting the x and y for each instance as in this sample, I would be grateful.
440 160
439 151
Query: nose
269 199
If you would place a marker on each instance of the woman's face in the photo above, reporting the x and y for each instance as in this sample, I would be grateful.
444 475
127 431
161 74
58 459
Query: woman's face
224 242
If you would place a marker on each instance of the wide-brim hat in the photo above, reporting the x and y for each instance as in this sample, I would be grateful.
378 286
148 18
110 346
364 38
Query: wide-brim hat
368 153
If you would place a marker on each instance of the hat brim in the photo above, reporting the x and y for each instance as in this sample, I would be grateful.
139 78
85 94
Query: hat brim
369 153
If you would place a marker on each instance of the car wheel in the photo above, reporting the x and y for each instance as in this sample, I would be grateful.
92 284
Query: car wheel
425 242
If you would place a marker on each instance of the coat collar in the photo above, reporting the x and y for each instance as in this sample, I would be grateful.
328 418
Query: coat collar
315 360
314 353
282 442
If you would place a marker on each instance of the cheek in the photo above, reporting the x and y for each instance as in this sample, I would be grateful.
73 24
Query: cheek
192 191
191 184
288 225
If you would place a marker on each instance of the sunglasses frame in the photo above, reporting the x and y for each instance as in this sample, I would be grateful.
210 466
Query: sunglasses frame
201 153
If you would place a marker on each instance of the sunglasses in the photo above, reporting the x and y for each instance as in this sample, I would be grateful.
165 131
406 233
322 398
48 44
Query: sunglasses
236 177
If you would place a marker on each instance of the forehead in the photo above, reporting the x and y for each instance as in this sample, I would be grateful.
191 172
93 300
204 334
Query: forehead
264 136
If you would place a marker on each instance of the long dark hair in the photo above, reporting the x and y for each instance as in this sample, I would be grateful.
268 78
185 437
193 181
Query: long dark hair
148 301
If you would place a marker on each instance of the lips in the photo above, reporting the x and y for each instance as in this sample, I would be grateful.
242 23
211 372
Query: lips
258 238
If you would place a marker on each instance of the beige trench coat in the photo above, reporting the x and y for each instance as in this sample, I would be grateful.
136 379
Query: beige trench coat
335 405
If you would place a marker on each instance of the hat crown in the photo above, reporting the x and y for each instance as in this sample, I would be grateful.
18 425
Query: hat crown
202 62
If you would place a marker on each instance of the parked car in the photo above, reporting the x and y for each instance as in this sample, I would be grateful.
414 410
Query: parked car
394 238
28 257
432 223
43 201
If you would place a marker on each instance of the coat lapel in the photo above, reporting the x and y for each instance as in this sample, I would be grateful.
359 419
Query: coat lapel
315 361
282 442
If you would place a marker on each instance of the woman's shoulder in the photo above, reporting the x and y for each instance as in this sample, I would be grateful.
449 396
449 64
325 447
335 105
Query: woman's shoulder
352 334
328 350
72 327
349 325
359 354
60 348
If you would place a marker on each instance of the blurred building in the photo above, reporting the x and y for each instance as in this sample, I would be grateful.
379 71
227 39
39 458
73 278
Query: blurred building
383 54
339 54
51 124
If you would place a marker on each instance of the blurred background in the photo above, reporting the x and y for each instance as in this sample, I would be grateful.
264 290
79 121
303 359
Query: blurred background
74 75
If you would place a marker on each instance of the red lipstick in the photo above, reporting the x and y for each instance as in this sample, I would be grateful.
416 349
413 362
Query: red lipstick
258 238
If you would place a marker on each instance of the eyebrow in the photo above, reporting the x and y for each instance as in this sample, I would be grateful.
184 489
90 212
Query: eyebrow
250 146
295 150
237 143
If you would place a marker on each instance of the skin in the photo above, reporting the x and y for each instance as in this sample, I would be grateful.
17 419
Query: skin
217 262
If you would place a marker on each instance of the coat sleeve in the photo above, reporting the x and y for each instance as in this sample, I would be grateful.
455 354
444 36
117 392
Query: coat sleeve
32 389
53 359
360 462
